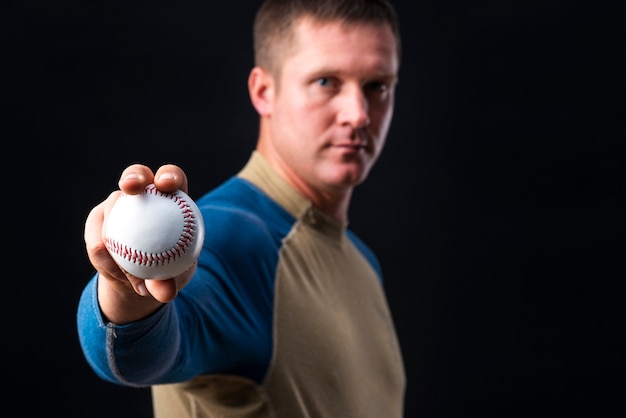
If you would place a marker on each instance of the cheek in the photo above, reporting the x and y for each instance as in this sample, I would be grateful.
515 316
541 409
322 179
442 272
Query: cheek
382 117
309 117
291 107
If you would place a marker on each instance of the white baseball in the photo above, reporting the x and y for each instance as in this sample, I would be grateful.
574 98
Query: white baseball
154 235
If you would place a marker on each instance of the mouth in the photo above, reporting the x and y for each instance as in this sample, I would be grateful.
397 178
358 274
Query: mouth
355 142
351 146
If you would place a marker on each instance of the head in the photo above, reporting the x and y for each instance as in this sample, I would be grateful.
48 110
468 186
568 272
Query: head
323 84
274 24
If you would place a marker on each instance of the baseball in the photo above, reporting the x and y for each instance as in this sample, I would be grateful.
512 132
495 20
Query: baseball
154 235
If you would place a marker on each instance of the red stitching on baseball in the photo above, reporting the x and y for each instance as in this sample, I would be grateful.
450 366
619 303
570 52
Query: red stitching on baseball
180 248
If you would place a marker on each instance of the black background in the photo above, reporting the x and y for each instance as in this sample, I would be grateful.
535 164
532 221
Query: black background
496 208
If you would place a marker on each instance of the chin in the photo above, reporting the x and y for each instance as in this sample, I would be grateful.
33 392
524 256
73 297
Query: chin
350 179
346 173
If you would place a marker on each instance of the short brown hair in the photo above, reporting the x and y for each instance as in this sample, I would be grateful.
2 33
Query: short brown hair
274 20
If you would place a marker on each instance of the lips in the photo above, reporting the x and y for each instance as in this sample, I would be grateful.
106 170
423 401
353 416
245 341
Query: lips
355 142
350 146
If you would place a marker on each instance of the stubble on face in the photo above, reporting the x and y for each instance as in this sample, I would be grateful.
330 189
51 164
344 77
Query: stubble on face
320 98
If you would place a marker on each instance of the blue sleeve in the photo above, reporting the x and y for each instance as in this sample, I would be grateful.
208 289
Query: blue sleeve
225 313
110 348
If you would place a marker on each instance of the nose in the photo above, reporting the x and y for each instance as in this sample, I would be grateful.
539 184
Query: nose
354 109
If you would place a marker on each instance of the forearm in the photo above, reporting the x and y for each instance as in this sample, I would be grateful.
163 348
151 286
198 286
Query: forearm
136 354
120 304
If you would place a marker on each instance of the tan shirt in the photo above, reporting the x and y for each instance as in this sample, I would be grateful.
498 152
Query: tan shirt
335 350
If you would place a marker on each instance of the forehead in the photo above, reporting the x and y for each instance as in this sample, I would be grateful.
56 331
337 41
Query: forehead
336 44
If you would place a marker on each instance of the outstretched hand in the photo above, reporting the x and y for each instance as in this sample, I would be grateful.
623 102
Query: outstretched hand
125 298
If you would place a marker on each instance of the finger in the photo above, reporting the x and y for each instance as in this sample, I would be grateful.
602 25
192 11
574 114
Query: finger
135 178
169 178
98 255
162 290
166 290
94 244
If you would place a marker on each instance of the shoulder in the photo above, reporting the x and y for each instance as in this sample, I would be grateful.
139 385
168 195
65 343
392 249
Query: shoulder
367 252
238 213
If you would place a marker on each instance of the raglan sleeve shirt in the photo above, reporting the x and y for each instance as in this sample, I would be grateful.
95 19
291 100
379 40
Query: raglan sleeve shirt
286 313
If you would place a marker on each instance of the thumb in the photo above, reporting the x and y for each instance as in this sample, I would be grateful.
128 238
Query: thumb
162 290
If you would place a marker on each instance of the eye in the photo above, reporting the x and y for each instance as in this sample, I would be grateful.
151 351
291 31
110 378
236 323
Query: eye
377 87
324 81
378 90
328 85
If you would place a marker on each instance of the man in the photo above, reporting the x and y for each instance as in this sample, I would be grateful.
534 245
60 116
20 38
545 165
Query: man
284 314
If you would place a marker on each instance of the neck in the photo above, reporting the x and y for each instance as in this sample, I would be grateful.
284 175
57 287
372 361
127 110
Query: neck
334 203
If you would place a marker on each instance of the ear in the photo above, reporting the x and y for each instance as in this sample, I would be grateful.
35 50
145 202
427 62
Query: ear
261 90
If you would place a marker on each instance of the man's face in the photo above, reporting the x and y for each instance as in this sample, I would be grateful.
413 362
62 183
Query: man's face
334 102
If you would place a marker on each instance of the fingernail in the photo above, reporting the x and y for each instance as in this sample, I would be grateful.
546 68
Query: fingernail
132 176
141 288
167 176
